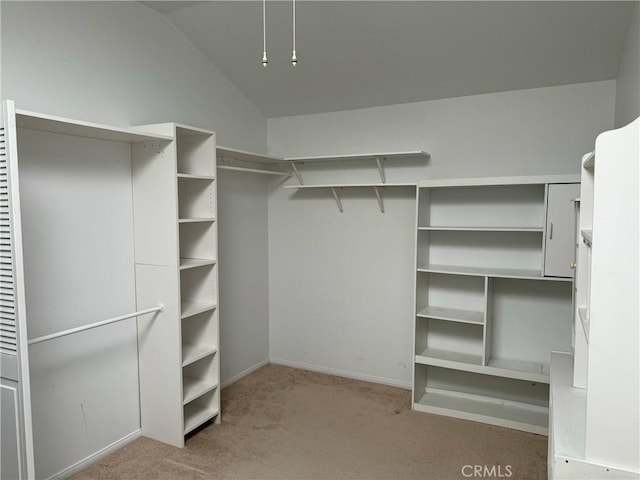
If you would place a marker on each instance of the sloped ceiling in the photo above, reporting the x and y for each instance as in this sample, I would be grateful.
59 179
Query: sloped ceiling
356 54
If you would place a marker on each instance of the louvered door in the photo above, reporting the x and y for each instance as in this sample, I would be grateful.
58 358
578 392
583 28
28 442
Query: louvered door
17 444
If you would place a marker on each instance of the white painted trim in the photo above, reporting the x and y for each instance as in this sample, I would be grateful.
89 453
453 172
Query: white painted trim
244 373
342 373
94 457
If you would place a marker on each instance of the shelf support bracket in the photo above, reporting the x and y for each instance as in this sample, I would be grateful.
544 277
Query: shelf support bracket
337 197
379 195
296 172
381 169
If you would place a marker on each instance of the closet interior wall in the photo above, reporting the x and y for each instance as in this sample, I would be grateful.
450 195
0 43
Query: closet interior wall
340 284
244 271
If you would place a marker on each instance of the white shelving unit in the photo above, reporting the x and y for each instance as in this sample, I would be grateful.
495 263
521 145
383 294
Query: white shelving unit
486 314
179 360
595 392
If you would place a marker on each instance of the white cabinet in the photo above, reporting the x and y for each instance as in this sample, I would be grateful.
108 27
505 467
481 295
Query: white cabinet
487 317
560 237
595 395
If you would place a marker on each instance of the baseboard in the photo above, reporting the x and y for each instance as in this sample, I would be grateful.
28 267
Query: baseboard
244 373
342 373
93 458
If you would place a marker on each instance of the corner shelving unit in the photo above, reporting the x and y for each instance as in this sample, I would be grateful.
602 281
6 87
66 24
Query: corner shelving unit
241 160
487 310
179 360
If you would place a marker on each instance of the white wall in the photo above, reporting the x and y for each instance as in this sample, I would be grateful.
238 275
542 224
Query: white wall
628 86
119 63
340 285
243 245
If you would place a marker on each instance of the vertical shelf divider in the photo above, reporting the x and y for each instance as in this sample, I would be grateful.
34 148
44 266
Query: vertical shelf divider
488 319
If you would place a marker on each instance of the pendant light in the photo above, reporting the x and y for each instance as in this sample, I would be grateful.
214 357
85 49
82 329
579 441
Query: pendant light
265 62
294 59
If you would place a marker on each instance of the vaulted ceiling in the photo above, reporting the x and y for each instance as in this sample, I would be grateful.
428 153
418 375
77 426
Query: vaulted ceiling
356 54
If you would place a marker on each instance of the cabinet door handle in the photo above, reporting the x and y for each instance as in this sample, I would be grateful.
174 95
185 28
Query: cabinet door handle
572 265
550 230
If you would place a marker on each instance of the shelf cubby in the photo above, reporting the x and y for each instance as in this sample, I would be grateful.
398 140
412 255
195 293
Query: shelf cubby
196 198
198 378
528 322
520 250
196 152
447 340
450 297
193 352
198 240
507 402
200 410
199 285
509 207
201 327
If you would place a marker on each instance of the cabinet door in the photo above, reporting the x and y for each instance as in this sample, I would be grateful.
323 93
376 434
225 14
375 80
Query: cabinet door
560 230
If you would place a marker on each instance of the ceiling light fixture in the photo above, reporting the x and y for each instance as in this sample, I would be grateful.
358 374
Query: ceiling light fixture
265 62
294 59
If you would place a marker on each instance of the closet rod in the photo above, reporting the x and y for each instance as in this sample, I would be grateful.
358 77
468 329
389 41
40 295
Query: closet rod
64 333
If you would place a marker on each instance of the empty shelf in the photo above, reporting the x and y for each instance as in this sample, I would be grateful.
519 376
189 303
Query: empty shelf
351 185
196 220
193 308
244 156
193 388
517 370
483 229
490 272
362 156
447 359
186 263
78 128
196 177
521 416
195 415
192 353
452 315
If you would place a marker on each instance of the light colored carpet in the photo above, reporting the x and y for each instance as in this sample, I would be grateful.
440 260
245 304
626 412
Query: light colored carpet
284 423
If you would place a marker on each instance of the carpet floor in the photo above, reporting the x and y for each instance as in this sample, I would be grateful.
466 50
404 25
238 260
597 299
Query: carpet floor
285 423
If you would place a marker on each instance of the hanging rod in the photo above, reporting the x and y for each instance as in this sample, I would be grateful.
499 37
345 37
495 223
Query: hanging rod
64 333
